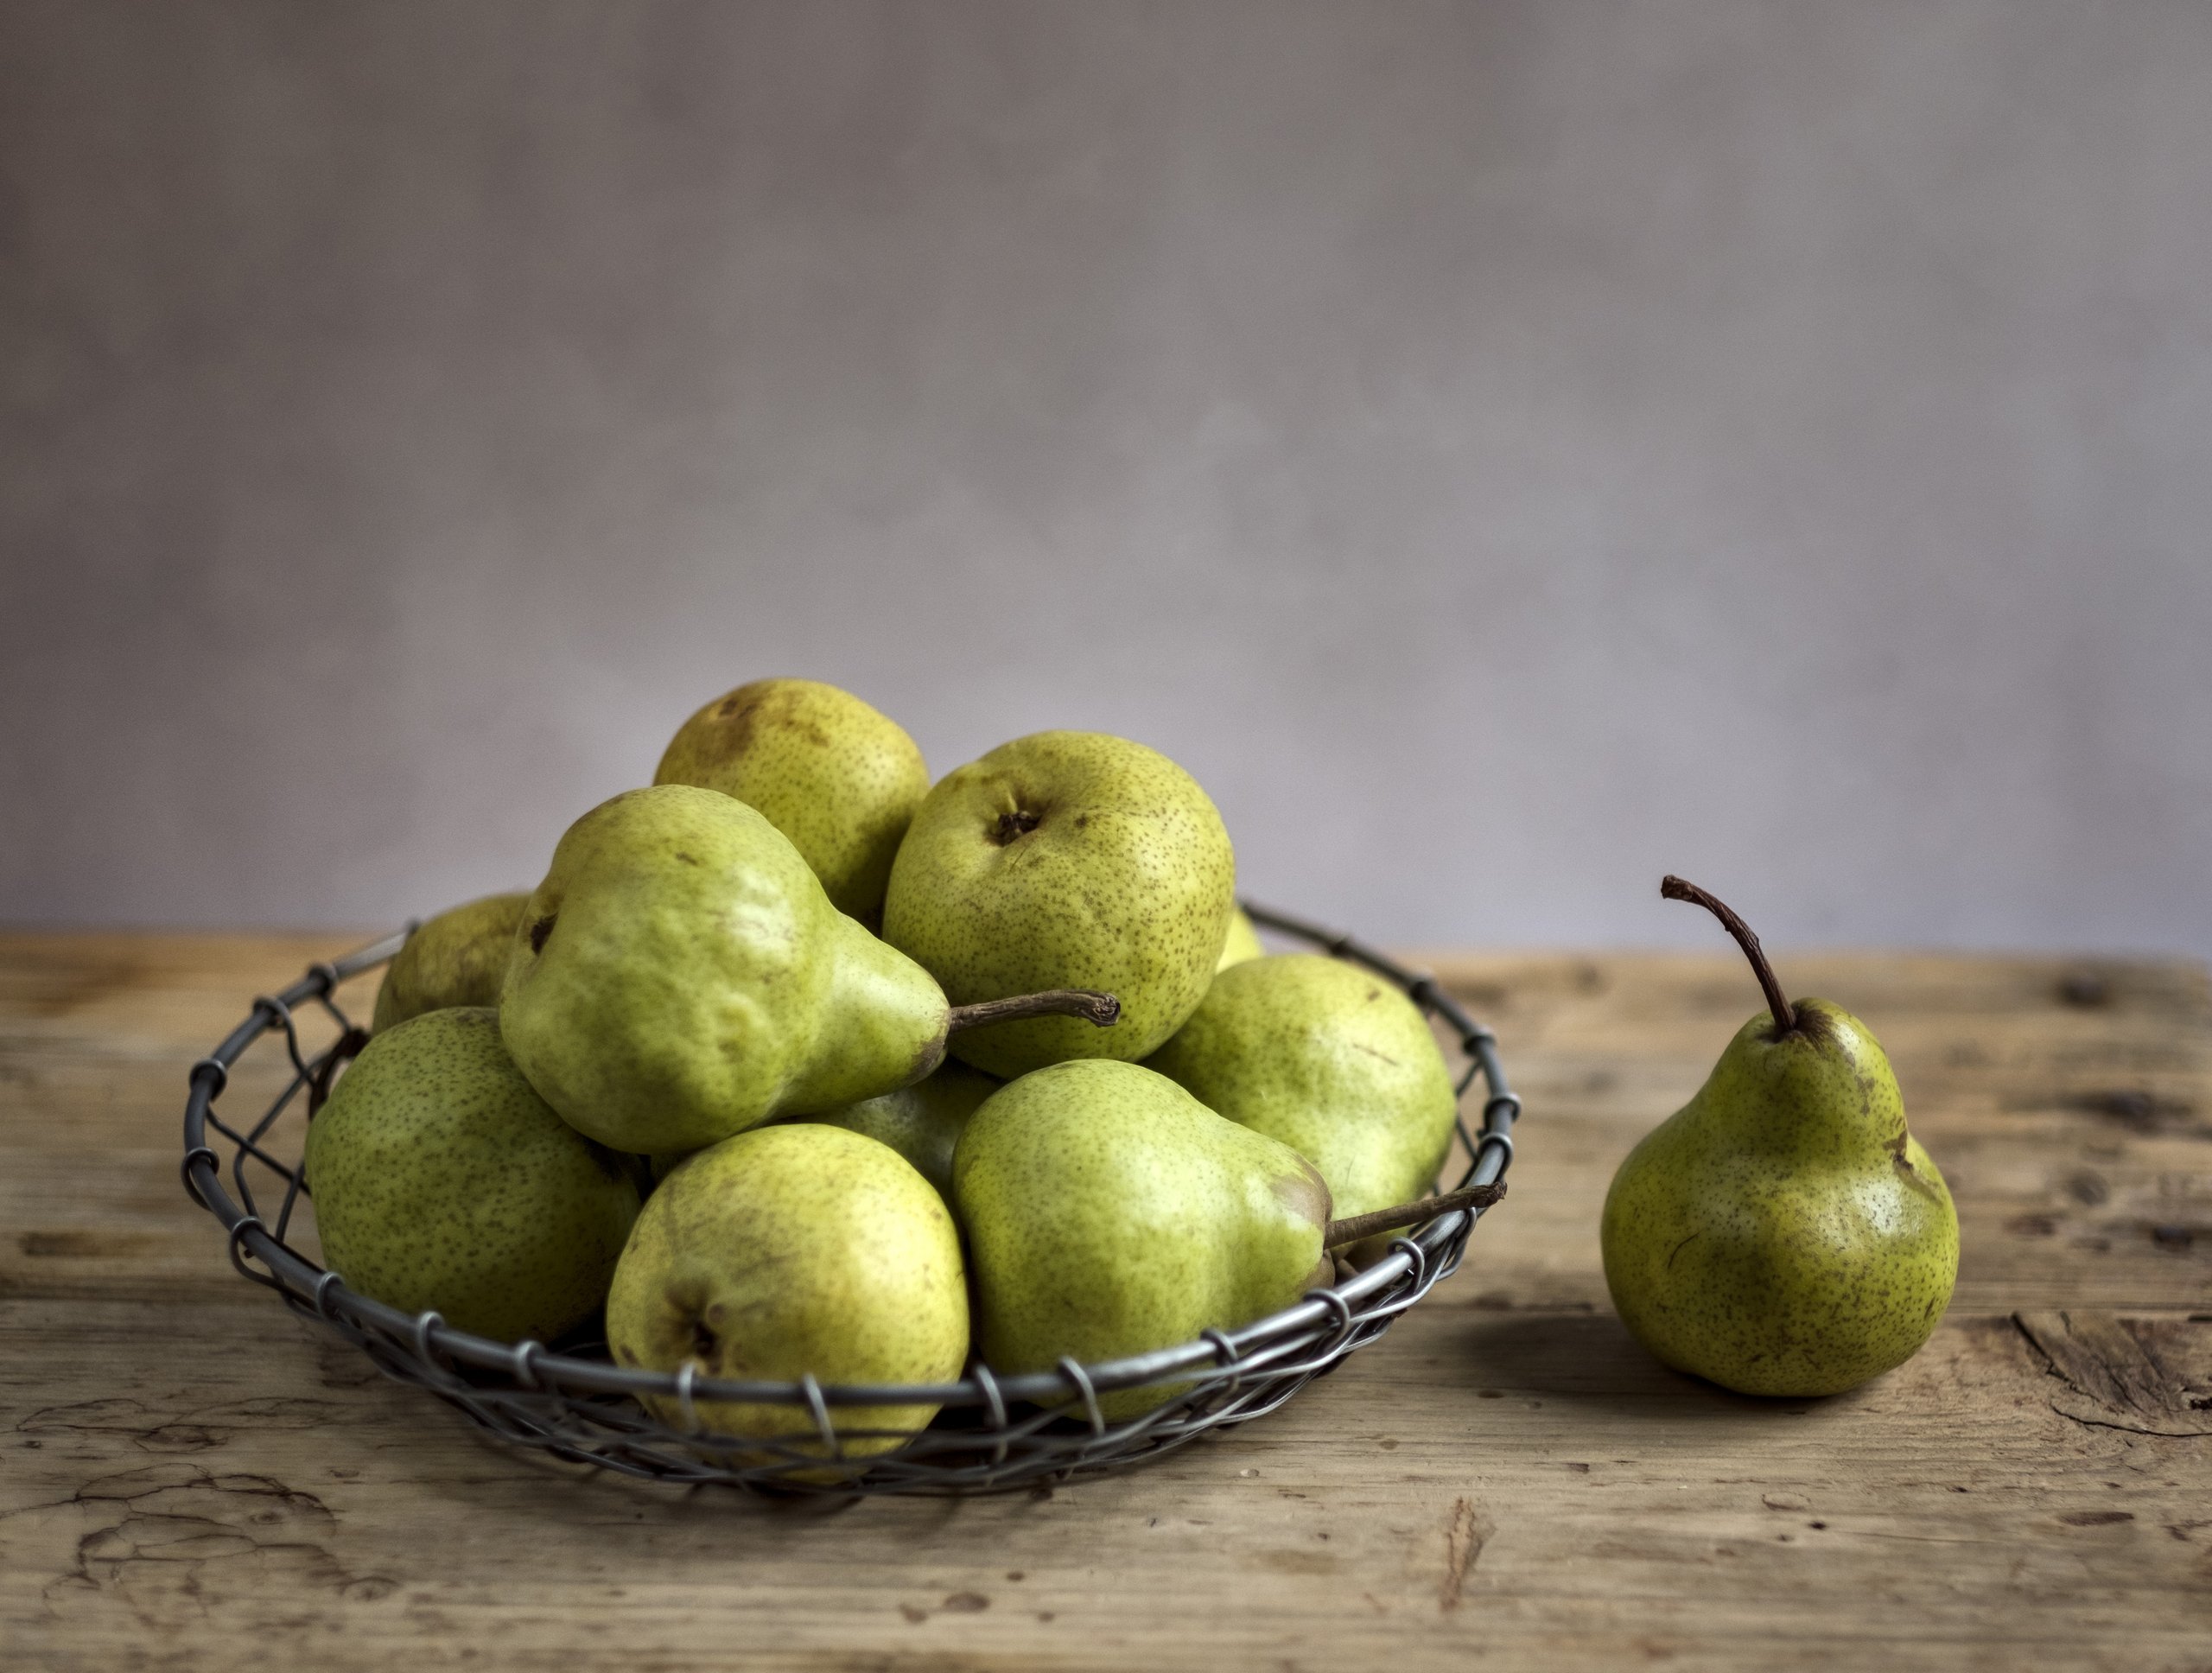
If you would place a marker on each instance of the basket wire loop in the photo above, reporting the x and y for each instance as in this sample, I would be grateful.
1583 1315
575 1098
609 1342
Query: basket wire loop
815 1405
684 1378
995 1404
246 1227
1225 1355
199 1153
1414 1252
426 1321
994 1432
1341 1307
1080 1379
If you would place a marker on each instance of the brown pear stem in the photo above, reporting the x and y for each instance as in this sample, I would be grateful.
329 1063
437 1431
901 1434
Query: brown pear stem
1101 1010
1673 888
1338 1233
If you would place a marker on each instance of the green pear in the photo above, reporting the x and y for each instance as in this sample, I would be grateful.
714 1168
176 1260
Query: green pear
441 1182
923 1122
457 958
1782 1233
1108 1212
793 1250
833 775
680 976
1065 859
1243 943
1334 1062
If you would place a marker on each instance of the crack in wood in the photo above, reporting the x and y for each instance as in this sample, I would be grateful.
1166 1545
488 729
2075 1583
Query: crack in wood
2113 1381
1463 1540
168 1541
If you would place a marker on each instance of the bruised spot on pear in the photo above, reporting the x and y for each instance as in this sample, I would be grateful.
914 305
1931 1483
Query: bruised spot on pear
927 1061
1305 1193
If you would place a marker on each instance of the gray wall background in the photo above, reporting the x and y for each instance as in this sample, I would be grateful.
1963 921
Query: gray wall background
1506 451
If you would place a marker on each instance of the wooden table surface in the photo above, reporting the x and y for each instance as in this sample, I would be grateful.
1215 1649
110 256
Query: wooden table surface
191 1477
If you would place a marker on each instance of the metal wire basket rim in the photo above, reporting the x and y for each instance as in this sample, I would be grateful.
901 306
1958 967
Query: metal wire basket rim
314 1287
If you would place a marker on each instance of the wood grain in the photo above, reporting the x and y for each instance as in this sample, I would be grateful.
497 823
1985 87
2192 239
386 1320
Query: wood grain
190 1478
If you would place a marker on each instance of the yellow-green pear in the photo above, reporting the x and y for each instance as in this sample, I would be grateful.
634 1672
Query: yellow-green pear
1782 1233
923 1122
442 1182
680 976
1329 1059
1065 859
457 958
791 1249
836 777
1110 1212
1241 943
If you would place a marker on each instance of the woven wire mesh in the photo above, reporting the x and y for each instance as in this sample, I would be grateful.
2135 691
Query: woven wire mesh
990 1433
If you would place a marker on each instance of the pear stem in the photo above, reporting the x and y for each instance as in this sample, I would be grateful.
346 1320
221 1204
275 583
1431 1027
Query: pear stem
1101 1010
1673 888
1338 1233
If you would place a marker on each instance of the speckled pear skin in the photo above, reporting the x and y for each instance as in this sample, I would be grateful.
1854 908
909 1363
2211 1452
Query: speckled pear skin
457 958
839 779
923 1122
1783 1233
1332 1062
794 1249
1243 943
1065 859
1110 1212
443 1181
680 976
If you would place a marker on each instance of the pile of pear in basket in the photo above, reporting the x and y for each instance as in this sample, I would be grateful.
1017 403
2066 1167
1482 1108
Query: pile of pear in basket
804 1099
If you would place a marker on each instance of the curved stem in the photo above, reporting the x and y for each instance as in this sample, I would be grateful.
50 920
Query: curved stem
1338 1233
1673 888
1101 1010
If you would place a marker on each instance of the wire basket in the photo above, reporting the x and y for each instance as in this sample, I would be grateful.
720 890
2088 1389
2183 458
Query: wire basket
991 1432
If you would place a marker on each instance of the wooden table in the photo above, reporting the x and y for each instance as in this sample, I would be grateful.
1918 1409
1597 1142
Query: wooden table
194 1478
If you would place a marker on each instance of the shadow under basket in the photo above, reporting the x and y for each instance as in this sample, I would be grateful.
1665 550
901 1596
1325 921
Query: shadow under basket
991 1432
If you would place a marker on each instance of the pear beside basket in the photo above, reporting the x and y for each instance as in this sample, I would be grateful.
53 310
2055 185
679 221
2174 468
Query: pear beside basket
992 1433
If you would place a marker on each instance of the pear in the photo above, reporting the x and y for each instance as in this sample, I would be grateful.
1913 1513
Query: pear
1334 1062
441 1182
680 976
1782 1233
1110 1212
457 958
1065 859
923 1122
836 777
1242 942
793 1250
